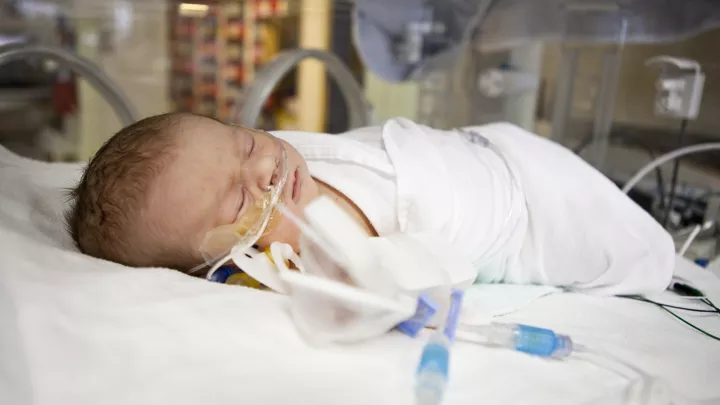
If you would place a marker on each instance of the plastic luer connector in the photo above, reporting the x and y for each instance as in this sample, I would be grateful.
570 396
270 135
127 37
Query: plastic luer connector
524 338
425 310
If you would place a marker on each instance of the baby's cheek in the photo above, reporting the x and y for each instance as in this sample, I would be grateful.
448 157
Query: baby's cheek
281 230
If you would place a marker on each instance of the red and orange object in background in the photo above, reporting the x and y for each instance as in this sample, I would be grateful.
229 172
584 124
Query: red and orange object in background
210 53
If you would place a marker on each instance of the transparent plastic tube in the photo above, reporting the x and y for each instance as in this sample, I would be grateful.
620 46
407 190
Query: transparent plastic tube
432 374
688 150
524 338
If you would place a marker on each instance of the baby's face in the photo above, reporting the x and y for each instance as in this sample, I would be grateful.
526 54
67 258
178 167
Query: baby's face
219 171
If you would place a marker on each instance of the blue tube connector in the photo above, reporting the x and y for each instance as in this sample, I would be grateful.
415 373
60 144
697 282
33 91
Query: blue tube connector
527 339
432 372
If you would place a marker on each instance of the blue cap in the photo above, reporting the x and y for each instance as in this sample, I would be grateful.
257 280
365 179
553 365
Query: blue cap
221 275
702 262
425 310
453 318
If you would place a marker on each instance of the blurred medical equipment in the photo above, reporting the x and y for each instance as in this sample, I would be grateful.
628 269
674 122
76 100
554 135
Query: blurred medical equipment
707 227
335 252
346 292
432 372
522 338
694 234
100 81
688 150
38 116
679 93
679 87
254 214
474 58
391 35
255 95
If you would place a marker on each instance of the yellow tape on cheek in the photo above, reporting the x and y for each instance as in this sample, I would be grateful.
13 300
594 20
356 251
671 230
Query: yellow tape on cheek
250 218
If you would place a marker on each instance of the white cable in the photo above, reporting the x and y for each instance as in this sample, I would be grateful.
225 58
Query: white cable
695 232
641 384
688 150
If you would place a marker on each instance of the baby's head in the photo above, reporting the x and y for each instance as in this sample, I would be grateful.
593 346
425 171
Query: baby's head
153 191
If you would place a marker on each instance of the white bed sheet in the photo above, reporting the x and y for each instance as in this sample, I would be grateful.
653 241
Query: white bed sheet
75 330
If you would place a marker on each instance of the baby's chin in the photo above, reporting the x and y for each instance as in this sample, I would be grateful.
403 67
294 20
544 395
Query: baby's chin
281 230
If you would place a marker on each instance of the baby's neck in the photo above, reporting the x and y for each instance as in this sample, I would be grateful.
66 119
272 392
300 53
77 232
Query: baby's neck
348 205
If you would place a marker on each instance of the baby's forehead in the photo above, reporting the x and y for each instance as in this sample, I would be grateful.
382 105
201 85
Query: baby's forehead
187 189
201 133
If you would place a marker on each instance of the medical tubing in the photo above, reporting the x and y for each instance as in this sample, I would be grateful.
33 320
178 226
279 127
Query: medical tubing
688 323
666 308
516 192
688 242
432 373
515 189
219 263
688 150
675 172
92 73
710 303
524 338
606 360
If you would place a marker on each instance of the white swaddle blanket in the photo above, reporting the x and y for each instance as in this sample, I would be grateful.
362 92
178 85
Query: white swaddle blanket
569 226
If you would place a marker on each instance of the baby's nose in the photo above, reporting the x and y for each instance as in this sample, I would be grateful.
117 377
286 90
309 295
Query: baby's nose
258 174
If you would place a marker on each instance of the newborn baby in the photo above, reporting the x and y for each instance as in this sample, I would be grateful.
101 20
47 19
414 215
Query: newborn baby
154 190
517 207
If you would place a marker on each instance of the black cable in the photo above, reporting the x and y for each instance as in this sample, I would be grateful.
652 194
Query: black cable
643 299
659 180
676 167
708 302
681 319
665 307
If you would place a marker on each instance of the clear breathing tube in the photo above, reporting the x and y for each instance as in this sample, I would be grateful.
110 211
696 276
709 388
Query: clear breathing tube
516 191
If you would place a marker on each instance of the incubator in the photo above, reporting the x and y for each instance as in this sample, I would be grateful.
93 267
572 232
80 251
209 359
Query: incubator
573 71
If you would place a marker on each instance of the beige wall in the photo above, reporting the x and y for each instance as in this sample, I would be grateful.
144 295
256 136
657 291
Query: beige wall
636 90
391 99
137 61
